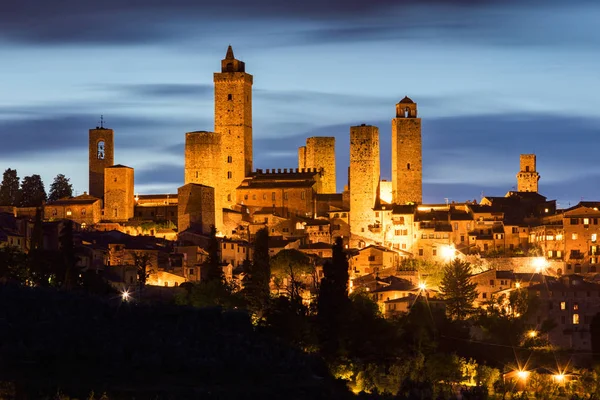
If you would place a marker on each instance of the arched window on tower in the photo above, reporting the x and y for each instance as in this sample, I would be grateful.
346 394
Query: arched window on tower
229 97
229 159
229 175
406 112
527 168
101 150
408 166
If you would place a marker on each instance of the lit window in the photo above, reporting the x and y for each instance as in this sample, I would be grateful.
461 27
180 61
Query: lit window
68 212
575 319
594 237
573 236
563 305
575 306
586 221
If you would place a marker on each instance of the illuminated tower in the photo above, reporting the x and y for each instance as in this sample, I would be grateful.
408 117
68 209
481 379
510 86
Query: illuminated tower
233 120
364 182
319 153
528 177
407 164
101 156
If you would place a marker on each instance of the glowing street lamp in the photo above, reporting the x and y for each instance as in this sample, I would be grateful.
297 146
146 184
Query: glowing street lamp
448 252
540 264
559 378
422 286
125 295
532 334
523 375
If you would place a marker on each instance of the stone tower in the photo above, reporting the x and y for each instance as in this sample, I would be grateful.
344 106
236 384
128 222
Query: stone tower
407 164
195 207
233 120
101 156
319 153
527 178
364 182
204 166
119 199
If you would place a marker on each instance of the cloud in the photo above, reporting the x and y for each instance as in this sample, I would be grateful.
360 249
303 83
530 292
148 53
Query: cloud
165 90
160 174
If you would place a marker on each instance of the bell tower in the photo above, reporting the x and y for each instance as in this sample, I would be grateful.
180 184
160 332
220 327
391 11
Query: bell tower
407 163
233 121
528 177
101 156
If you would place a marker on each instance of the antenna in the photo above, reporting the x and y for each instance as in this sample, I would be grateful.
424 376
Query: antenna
101 121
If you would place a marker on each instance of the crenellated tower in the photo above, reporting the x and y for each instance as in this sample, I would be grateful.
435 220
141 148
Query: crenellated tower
233 121
407 164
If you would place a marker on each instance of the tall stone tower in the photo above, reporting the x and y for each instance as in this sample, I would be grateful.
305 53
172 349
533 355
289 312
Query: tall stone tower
233 120
101 156
319 153
407 164
204 166
527 178
119 199
364 182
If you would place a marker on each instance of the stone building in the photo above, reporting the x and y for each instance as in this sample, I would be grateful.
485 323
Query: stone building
319 153
84 209
407 168
119 198
195 208
101 155
287 192
204 164
528 177
363 182
233 121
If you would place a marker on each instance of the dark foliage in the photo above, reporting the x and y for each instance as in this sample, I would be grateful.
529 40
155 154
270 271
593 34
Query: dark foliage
213 269
33 193
258 275
60 188
9 189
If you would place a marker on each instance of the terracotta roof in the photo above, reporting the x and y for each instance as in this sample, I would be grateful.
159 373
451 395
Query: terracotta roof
82 199
406 100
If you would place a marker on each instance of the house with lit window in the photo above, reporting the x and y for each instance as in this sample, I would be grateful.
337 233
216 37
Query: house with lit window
570 302
372 259
85 210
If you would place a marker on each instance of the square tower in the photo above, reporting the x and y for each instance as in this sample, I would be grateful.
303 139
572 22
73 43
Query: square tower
364 182
319 153
233 120
528 177
101 156
195 207
119 198
407 163
204 165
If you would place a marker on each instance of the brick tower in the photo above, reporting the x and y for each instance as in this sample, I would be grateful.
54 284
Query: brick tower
364 182
407 164
118 193
527 178
319 153
204 166
101 156
233 120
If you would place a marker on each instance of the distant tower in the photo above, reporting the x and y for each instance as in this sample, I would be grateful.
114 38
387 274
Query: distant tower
319 153
101 156
204 166
119 199
233 120
364 180
527 178
407 164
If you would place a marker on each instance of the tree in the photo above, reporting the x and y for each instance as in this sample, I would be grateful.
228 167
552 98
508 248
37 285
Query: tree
457 289
332 302
291 265
9 189
212 265
13 264
141 260
68 257
60 188
258 275
33 193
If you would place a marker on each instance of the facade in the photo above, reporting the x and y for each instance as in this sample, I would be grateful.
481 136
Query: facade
203 158
407 164
84 209
319 153
364 183
101 156
195 208
233 121
119 199
528 177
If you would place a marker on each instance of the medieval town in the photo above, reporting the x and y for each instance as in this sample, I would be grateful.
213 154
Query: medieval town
397 247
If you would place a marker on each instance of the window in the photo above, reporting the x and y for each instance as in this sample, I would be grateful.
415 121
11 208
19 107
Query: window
273 196
115 179
491 282
101 150
285 195
69 212
229 159
245 197
371 258
302 195
434 251
563 305
484 295
408 166
573 236
575 306
575 319
54 212
83 212
420 252
594 237
231 246
229 174
224 245
586 221
574 221
229 97
462 238
264 196
456 226
229 197
115 212
196 174
191 271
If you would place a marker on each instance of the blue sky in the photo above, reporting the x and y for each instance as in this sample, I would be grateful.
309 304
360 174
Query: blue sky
492 79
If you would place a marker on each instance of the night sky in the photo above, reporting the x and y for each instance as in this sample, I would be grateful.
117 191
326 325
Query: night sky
492 79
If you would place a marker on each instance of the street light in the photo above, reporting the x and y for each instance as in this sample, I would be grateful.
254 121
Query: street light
532 333
523 374
125 295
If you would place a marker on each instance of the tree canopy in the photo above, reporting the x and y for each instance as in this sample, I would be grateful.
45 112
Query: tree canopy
214 272
457 289
9 189
60 188
258 275
33 193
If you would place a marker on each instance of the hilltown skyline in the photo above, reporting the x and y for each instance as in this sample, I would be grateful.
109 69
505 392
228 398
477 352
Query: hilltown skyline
485 94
